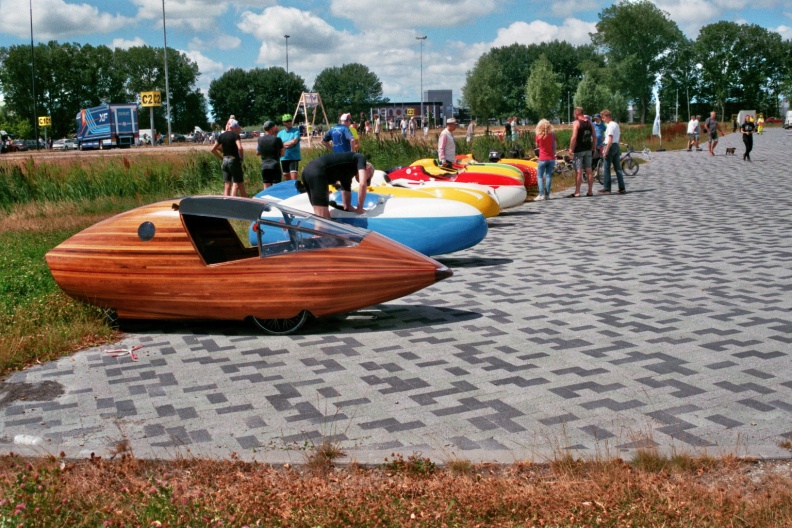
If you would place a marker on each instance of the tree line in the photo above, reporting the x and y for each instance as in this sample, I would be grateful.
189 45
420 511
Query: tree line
69 77
635 48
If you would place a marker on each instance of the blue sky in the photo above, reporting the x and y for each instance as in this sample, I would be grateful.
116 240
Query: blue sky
380 34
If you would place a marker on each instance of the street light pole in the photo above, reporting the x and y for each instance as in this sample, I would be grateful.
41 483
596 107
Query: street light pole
33 77
422 94
287 71
167 88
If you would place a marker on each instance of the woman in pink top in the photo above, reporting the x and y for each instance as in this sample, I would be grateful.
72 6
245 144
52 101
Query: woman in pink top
546 143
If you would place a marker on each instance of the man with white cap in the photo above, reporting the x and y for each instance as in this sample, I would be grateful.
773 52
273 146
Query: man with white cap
339 138
446 148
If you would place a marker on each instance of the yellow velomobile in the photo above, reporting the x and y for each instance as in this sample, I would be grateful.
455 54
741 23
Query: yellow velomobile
519 162
486 202
432 167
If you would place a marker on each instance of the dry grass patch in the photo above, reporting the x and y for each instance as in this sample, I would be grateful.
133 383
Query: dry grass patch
131 492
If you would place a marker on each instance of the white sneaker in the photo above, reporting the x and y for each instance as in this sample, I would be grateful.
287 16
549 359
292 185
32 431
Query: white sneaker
538 198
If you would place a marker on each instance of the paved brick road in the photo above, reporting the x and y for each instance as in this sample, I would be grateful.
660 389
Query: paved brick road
593 324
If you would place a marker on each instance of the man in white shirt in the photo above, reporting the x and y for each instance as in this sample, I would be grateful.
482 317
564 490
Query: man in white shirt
692 132
446 148
611 152
470 130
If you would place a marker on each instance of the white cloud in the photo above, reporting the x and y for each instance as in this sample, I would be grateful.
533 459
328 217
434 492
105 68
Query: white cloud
223 42
313 43
690 17
562 8
394 55
195 15
784 31
742 4
210 69
387 16
57 20
120 43
572 30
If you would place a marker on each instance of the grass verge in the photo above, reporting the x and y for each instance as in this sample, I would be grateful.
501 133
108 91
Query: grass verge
130 492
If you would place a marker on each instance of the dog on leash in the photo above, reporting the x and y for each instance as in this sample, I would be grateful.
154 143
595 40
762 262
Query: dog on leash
730 151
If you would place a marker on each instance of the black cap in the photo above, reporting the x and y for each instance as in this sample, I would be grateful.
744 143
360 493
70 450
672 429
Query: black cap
268 125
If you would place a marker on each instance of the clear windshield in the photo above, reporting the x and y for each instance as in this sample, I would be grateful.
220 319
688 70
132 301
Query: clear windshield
283 230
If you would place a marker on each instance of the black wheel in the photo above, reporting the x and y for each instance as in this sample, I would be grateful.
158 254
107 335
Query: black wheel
282 326
630 167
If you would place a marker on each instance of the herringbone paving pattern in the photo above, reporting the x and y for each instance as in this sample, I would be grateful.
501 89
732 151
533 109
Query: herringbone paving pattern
661 317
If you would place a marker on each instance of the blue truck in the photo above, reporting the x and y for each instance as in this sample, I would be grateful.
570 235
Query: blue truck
107 126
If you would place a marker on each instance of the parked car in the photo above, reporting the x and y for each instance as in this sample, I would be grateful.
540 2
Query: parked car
178 138
31 144
64 144
18 145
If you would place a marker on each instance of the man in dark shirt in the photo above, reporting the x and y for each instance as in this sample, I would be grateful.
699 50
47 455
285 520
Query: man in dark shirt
230 144
337 167
270 149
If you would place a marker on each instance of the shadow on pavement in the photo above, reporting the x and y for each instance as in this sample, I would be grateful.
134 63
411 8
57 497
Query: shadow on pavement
379 317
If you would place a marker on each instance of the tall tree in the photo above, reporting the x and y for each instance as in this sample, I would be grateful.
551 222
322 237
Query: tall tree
717 51
636 38
593 94
742 63
231 94
271 86
542 89
681 80
483 89
785 81
256 95
349 88
144 70
568 62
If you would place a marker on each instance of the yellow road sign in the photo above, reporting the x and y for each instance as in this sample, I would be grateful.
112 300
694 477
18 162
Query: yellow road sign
411 111
150 99
45 121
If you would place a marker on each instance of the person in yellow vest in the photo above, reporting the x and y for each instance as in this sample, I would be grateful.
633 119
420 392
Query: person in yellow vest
760 124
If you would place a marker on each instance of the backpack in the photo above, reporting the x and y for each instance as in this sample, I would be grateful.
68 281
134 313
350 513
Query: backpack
585 140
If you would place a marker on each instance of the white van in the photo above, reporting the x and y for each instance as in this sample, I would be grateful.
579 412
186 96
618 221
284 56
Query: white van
788 120
743 113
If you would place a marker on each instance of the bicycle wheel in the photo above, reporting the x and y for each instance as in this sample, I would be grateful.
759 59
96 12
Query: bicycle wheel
630 167
282 326
597 170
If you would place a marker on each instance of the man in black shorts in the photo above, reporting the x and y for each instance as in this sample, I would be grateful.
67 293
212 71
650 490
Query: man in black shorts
230 144
340 168
270 149
713 127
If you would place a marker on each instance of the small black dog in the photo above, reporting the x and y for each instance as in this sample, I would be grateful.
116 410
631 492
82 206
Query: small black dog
730 151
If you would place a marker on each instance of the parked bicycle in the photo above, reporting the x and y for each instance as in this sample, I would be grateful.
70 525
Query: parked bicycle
628 164
564 162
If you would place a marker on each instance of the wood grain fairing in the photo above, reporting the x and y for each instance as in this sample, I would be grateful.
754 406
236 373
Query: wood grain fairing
109 265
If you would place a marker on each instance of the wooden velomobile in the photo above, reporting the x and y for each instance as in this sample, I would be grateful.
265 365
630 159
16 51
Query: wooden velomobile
185 259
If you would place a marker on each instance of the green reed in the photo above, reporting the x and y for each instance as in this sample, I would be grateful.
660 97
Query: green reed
79 180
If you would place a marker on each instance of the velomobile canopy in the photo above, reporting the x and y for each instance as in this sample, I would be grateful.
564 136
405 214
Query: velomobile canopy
224 207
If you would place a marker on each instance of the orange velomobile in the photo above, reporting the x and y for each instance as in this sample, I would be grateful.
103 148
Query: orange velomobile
185 259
